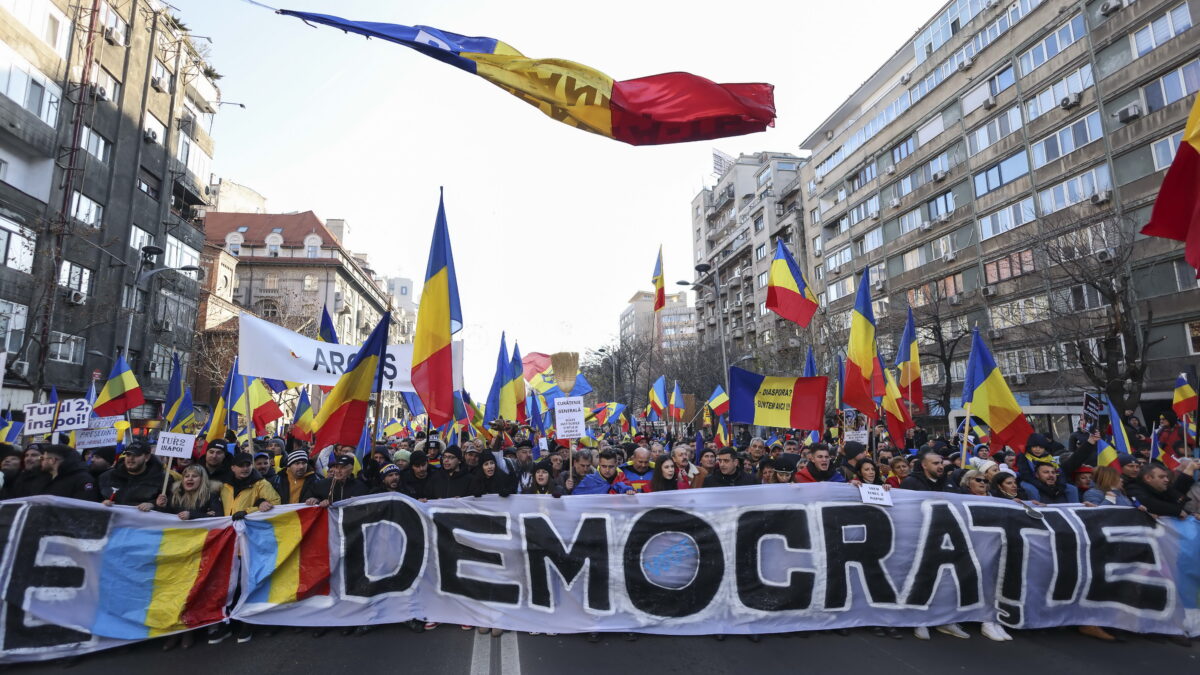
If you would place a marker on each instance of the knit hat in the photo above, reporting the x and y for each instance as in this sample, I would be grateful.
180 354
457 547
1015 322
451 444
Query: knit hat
853 449
544 465
787 462
297 456
389 469
418 458
454 450
985 465
401 456
107 453
1037 440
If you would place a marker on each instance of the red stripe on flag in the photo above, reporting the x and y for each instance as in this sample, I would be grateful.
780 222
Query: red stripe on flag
314 553
856 393
345 425
121 404
808 402
679 107
210 592
433 380
1176 213
791 305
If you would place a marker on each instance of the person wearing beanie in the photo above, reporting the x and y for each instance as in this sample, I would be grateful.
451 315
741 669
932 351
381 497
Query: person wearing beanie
400 459
341 484
101 460
486 479
247 490
415 479
10 468
217 461
543 480
1169 432
389 480
452 479
766 472
68 477
785 468
852 453
296 483
136 479
1036 452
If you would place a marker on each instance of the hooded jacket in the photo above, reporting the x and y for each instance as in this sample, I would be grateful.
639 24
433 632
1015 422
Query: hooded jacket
73 481
283 486
246 494
126 489
27 484
499 483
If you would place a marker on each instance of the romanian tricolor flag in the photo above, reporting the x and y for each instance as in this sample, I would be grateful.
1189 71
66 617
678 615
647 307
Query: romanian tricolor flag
787 293
667 108
263 407
810 370
1120 435
675 405
393 428
326 332
719 401
1166 458
174 389
516 382
502 400
658 397
438 317
539 375
908 363
288 556
1184 400
899 420
121 393
219 418
839 386
160 581
780 402
343 414
861 354
303 421
660 292
11 431
990 399
184 418
1176 213
721 437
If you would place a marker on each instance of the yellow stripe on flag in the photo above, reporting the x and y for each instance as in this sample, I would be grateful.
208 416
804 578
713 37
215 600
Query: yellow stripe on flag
179 555
286 577
433 317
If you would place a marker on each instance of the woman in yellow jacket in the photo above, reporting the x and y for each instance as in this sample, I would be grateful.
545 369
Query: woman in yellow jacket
248 490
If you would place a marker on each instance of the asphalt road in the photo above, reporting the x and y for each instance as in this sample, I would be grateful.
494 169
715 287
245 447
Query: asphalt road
448 649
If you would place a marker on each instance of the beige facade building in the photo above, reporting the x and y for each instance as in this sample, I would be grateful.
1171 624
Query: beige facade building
675 324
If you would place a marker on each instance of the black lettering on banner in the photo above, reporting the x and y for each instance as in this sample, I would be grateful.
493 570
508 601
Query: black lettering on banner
337 362
710 565
1120 543
320 362
587 555
389 366
943 544
42 522
451 553
354 521
866 555
1014 526
1064 587
752 527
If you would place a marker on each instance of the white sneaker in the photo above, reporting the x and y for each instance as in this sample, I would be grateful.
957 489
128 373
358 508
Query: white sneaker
921 632
994 631
953 630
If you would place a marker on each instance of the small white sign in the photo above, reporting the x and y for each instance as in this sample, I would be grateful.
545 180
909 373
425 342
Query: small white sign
569 417
861 435
543 445
109 422
73 414
171 444
874 494
95 438
39 418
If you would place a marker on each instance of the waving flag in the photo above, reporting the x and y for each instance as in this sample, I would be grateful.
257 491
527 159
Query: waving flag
1184 400
121 393
780 402
990 398
218 419
501 402
721 437
11 432
343 416
303 420
840 386
719 401
658 397
327 332
1176 213
667 108
516 379
184 418
539 374
438 317
675 406
787 293
908 363
660 293
174 389
899 420
810 370
861 354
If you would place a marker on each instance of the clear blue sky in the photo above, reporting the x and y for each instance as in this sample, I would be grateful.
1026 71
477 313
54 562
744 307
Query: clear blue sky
553 229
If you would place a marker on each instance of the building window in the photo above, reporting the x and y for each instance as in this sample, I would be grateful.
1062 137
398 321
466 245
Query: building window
870 241
1048 99
865 175
1078 298
104 80
910 221
1193 337
158 71
139 238
816 244
840 288
174 309
1002 173
160 362
75 277
179 254
762 279
310 282
903 149
234 249
940 205
1052 44
66 348
12 324
267 309
16 246
989 132
1151 36
149 184
1008 267
1007 218
814 216
1172 87
760 252
273 250
27 86
271 281
155 130
1067 140
922 175
864 210
1164 150
96 145
951 285
133 298
86 210
759 223
1019 312
1073 190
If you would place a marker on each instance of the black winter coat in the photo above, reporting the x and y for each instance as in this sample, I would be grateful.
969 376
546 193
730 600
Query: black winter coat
73 481
1166 503
126 489
444 485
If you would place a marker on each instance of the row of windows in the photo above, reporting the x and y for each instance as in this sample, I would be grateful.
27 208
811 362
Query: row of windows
1001 173
1165 27
1067 140
1074 82
1052 44
28 87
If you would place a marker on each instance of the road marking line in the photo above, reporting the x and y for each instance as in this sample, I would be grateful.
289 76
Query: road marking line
481 654
510 655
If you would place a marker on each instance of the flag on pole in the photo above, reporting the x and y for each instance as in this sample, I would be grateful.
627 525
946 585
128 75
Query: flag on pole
121 393
675 407
327 332
185 414
302 420
899 420
219 419
438 317
719 401
990 398
1184 400
861 354
174 389
780 402
343 416
1166 457
840 386
1176 213
810 370
908 363
660 293
658 396
668 108
721 438
500 401
516 382
788 295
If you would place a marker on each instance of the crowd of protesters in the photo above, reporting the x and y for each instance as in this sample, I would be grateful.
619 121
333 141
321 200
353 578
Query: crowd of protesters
227 479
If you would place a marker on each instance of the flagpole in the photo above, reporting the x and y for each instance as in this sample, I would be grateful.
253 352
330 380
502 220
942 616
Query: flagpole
966 425
249 414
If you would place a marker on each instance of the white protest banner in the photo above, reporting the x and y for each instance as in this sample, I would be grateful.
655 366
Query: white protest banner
861 435
73 414
875 494
109 422
171 444
95 438
39 418
569 417
268 350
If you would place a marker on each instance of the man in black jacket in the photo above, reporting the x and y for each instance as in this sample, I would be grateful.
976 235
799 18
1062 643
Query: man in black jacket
452 479
68 477
341 483
296 484
414 480
930 475
1155 490
136 479
729 472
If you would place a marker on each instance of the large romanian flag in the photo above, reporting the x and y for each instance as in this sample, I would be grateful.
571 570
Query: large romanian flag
780 402
660 292
438 317
1108 455
666 108
121 393
787 293
1183 402
861 354
288 557
908 363
343 414
1176 213
899 420
985 390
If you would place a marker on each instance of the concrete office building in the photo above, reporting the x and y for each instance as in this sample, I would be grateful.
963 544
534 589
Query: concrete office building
675 325
998 130
104 149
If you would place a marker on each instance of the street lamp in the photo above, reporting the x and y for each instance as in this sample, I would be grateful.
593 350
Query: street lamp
612 357
148 252
702 269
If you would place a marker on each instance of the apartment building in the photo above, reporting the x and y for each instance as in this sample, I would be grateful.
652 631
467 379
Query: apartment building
674 325
105 149
998 133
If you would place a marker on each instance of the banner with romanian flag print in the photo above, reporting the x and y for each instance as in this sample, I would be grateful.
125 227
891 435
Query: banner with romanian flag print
666 108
